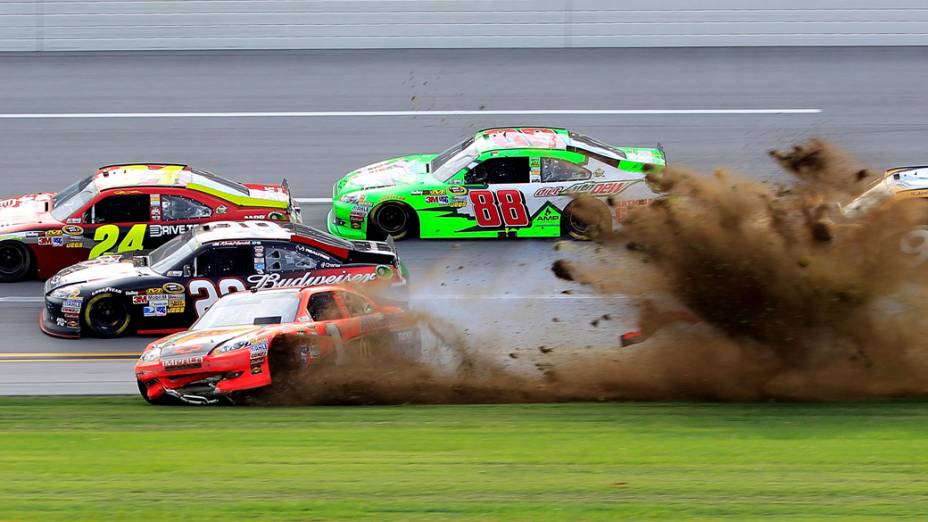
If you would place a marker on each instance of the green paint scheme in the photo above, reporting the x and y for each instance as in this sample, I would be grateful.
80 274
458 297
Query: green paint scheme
441 200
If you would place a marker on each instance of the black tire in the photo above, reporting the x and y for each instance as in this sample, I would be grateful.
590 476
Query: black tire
586 227
106 315
15 261
392 219
163 400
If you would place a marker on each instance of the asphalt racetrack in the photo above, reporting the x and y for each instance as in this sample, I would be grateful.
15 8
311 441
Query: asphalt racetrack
311 116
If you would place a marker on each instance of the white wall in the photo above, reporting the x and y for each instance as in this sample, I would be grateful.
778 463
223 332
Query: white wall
62 25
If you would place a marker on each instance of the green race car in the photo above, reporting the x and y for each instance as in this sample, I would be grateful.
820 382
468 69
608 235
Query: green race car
504 182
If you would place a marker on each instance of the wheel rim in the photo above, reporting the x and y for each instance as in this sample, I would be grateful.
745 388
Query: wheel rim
107 316
11 259
392 219
578 225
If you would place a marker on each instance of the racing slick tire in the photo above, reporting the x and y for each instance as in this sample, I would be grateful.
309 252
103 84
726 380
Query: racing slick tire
588 223
15 261
106 315
163 400
394 220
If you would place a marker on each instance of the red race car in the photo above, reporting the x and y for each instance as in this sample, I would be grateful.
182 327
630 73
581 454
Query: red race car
124 208
249 340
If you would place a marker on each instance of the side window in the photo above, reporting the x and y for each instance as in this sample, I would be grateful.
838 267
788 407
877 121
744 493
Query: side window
553 170
129 208
225 261
499 171
180 208
322 307
281 257
356 304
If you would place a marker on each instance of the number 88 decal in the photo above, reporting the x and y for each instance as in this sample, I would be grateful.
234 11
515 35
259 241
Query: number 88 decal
493 209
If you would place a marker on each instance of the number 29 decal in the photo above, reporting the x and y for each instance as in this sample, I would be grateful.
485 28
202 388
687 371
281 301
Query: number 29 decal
494 209
107 236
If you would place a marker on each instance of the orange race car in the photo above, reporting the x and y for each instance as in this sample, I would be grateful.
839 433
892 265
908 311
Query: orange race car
249 340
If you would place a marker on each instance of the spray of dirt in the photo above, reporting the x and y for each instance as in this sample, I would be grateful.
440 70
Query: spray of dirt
790 298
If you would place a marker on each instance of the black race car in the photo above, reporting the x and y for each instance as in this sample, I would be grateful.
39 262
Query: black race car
168 289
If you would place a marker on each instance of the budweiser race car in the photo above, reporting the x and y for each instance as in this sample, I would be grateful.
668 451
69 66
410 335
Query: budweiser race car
124 208
168 289
248 340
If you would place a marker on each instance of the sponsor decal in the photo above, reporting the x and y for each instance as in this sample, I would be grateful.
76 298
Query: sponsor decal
177 300
173 288
168 230
73 221
255 216
260 281
384 272
155 311
176 309
52 233
548 216
256 369
57 241
457 191
258 351
174 273
139 299
158 301
222 209
277 216
70 310
72 324
44 241
175 362
74 302
61 322
155 291
437 200
595 188
73 230
74 244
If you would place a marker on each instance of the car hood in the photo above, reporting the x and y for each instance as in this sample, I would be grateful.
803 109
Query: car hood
104 267
405 170
23 210
201 342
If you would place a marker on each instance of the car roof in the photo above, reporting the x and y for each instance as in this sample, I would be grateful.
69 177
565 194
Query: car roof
500 138
271 230
183 176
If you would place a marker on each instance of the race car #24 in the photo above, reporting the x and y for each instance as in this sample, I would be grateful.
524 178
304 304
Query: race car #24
248 340
505 182
124 208
170 288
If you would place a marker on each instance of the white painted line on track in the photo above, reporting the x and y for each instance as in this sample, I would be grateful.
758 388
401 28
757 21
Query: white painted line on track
21 299
313 201
330 114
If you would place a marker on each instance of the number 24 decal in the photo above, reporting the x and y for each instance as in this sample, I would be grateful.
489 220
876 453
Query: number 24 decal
493 209
108 235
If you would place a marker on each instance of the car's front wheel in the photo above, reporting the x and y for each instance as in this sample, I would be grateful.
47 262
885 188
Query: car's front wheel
392 220
106 315
15 261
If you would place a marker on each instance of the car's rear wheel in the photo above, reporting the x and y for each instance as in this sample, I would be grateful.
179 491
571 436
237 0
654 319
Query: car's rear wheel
393 220
585 219
163 400
106 315
15 261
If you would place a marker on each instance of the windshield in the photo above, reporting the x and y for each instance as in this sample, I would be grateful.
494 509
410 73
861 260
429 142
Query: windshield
451 167
443 158
247 308
593 144
869 200
169 255
73 198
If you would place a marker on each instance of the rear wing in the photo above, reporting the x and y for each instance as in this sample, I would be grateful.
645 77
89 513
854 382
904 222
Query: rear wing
293 209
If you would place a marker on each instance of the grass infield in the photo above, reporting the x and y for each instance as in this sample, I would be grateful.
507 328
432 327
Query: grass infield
117 458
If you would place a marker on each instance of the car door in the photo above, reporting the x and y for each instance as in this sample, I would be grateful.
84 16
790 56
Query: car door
370 341
499 193
220 269
117 222
344 330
